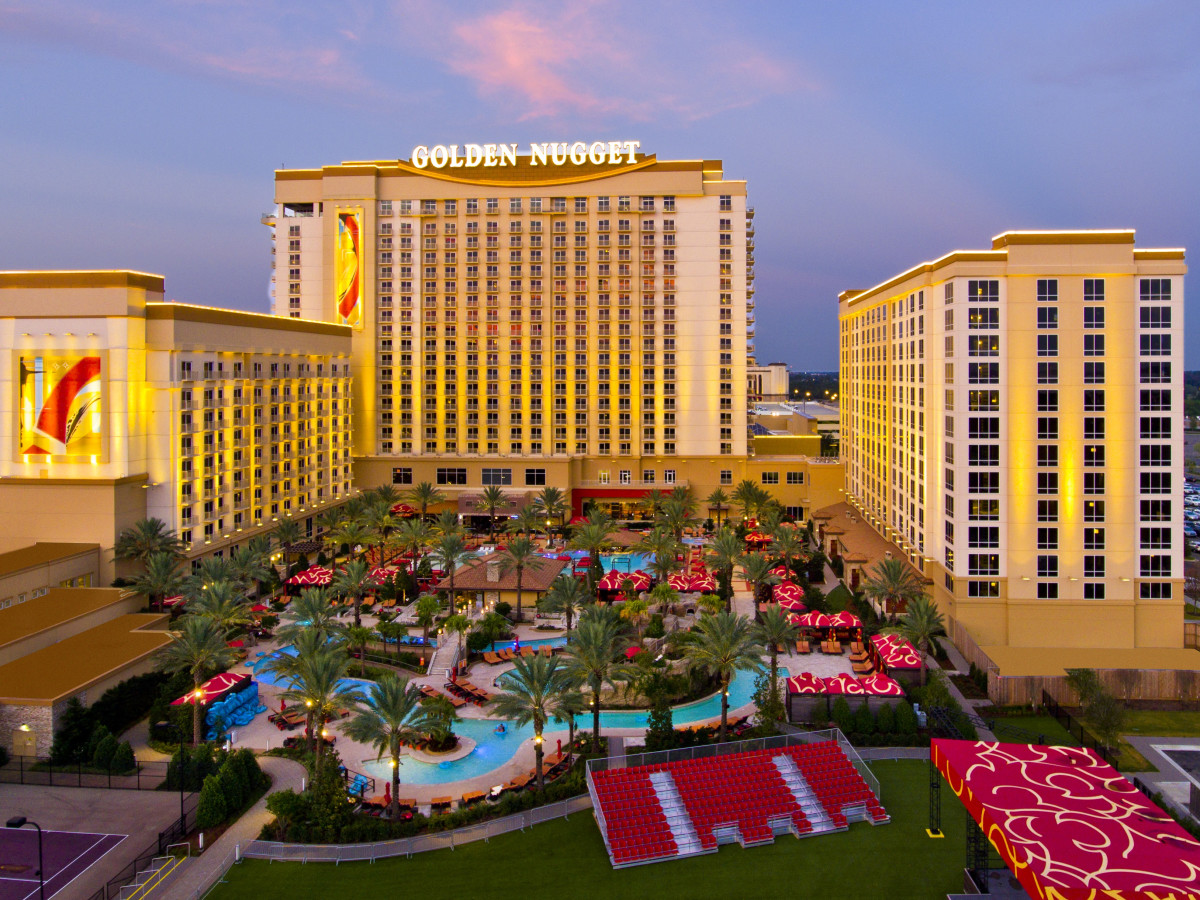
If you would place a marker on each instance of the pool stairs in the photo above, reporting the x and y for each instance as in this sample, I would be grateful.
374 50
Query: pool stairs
804 794
678 819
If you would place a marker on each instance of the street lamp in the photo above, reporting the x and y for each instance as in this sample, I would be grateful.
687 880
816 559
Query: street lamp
21 822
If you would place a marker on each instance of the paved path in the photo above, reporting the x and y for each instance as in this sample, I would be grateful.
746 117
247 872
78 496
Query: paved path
200 872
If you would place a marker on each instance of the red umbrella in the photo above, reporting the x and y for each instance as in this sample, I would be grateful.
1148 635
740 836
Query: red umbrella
403 509
171 601
757 537
631 652
792 605
704 583
846 619
815 620
806 683
611 581
640 579
788 591
881 685
781 571
679 581
843 684
235 644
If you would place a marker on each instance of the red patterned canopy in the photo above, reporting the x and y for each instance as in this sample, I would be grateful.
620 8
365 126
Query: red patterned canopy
611 581
314 575
788 591
792 605
757 537
640 579
846 619
403 509
881 685
704 583
1068 825
896 652
781 572
380 574
214 689
842 683
815 620
806 683
679 581
172 601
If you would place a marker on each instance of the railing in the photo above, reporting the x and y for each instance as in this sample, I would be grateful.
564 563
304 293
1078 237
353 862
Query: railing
167 841
38 770
1076 730
337 853
160 870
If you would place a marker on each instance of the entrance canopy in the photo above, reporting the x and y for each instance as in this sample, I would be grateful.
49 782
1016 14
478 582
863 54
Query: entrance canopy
1067 824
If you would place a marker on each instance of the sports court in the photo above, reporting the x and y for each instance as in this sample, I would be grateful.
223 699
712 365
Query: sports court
65 854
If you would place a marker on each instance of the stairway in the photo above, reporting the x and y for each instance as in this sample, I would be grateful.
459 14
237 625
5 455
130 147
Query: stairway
673 808
804 794
444 656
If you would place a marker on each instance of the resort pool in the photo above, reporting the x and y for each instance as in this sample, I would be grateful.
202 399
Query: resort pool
491 752
532 644
263 676
622 562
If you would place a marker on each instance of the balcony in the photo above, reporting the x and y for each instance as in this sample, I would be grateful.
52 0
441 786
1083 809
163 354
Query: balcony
749 212
635 484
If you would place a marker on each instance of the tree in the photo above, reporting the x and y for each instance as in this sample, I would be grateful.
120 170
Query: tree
352 533
392 631
920 624
224 603
519 555
718 501
377 518
288 533
447 523
492 499
161 579
357 637
592 537
427 609
425 495
674 516
199 649
390 716
756 569
593 651
211 811
250 566
710 604
449 553
636 612
353 582
724 553
318 681
775 629
551 503
457 624
787 546
1107 717
567 595
210 571
413 534
663 546
311 611
144 538
536 690
891 584
724 644
1086 684
527 521
663 596
492 627
748 496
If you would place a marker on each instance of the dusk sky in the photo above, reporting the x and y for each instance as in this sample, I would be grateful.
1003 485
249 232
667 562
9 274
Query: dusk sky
873 135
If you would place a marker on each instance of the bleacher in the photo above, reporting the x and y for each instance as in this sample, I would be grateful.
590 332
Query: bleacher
690 806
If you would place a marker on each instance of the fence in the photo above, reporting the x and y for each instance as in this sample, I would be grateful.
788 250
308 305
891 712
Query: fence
423 843
1191 634
1076 730
38 771
167 840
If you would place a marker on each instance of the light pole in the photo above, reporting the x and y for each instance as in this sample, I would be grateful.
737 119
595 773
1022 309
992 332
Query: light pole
179 732
21 822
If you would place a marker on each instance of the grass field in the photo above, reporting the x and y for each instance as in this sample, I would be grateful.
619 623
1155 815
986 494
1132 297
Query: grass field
567 857
1157 722
1048 726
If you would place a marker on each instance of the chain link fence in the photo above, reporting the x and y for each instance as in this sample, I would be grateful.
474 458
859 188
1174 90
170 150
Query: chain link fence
38 770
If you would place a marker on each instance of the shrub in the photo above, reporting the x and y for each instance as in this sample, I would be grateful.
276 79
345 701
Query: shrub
99 733
503 608
127 702
212 810
289 809
106 749
843 718
233 787
72 739
864 719
820 716
906 719
123 760
255 778
885 720
656 628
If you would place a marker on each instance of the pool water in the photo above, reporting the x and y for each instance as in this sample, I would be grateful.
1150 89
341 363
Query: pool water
533 644
622 562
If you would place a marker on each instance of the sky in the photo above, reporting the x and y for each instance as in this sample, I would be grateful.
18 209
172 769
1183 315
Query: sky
873 135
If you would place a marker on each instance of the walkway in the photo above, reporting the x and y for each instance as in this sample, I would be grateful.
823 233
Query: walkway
200 872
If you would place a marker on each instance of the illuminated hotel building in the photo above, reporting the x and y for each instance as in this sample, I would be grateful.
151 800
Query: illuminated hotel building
117 406
587 324
1012 420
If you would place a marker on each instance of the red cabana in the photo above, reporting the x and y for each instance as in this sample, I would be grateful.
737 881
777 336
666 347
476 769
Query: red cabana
846 619
896 652
815 620
781 572
705 584
842 683
757 537
403 509
314 575
881 685
640 579
788 591
679 582
172 601
214 689
612 581
806 683
792 606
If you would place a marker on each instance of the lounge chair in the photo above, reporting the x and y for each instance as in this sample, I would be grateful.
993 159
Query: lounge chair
547 650
506 655
492 659
802 647
862 668
528 651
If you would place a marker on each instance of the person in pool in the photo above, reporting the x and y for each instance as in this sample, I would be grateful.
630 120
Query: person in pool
500 729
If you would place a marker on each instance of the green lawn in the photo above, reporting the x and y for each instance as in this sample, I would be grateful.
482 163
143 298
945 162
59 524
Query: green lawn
1048 726
567 857
1159 722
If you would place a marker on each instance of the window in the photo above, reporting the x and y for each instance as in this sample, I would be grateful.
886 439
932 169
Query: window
983 428
1047 567
981 401
1093 428
1047 317
1155 427
795 478
1047 590
983 564
1156 373
1093 539
668 476
1156 538
1156 455
983 482
1047 538
726 476
1047 428
983 454
449 475
1155 510
1093 455
1047 482
983 373
402 475
1047 510
1093 345
1157 566
1155 344
1047 373
1093 510
1047 401
984 291
982 510
1155 400
1155 482
1155 316
1047 455
1093 373
1047 290
1154 289
985 536
1047 344
1093 290
770 477
1093 590
496 477
983 345
1093 317
983 589
982 317
1093 401
1155 590
1093 483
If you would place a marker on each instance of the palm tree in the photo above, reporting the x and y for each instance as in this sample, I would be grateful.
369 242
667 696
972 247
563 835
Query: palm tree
427 609
519 555
775 629
144 538
312 611
351 533
748 496
724 553
385 495
357 637
891 584
288 533
492 499
536 690
526 522
593 651
448 554
250 565
682 493
674 516
425 495
161 579
662 546
724 644
447 523
756 569
636 612
710 604
494 627
379 521
567 595
209 571
329 520
592 538
354 581
770 515
390 716
787 546
413 534
551 502
718 500
199 649
224 604
318 681
920 624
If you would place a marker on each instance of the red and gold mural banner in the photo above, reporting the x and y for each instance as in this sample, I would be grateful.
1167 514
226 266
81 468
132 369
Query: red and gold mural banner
348 269
60 408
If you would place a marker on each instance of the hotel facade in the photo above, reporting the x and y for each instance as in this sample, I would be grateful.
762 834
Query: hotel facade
585 323
116 406
1012 421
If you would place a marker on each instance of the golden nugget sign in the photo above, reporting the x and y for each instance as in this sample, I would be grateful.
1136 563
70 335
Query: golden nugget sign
441 156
